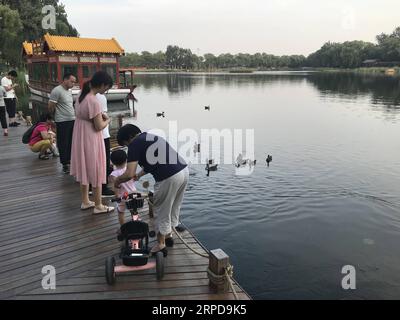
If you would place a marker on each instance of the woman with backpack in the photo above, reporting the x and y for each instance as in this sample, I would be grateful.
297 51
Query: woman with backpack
42 138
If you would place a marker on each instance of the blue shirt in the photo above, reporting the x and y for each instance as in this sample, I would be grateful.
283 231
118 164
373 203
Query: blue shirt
155 156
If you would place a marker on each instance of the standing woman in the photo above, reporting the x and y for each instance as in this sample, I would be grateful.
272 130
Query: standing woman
3 117
88 155
11 98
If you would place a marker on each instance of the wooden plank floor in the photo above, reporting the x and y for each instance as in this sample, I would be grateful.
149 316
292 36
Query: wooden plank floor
41 224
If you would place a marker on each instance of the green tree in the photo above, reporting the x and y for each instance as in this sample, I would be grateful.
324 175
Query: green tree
350 54
172 56
389 45
210 61
10 26
186 59
30 27
159 59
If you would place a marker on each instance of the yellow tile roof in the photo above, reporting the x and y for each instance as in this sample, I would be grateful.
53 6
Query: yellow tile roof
72 44
28 48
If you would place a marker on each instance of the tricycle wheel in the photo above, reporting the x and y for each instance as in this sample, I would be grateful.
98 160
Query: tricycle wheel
160 265
110 271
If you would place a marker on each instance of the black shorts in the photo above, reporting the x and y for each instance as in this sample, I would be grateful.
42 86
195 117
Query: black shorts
3 118
11 105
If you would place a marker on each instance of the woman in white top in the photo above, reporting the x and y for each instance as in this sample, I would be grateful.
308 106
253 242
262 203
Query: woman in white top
10 99
106 192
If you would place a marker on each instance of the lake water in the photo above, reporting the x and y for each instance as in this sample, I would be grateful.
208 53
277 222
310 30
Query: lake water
331 195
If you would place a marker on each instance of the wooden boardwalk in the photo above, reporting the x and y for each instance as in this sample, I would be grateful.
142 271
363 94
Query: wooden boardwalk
41 224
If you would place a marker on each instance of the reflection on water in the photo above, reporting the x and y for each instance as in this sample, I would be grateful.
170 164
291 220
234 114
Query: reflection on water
330 198
381 89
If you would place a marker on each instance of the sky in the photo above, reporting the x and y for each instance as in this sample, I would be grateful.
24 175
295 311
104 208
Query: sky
232 26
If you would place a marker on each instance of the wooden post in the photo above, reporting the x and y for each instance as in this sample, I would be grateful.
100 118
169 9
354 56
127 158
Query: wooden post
219 260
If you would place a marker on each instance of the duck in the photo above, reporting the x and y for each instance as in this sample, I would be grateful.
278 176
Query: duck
269 160
252 163
159 115
240 161
211 166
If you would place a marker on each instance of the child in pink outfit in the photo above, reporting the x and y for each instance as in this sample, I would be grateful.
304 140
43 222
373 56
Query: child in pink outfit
119 160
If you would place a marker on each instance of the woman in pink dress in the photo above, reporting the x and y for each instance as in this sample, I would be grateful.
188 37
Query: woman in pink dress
88 155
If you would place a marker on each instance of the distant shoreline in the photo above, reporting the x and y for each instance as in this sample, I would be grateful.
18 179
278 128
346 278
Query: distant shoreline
370 70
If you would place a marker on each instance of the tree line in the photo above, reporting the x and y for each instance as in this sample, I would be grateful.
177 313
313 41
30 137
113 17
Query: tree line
179 58
22 20
350 54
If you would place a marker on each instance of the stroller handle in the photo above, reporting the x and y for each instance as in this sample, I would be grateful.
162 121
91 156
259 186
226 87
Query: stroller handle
128 197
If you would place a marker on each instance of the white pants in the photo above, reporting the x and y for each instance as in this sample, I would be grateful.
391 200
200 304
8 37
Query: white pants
168 198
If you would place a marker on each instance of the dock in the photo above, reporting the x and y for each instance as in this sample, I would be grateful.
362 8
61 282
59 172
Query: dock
41 224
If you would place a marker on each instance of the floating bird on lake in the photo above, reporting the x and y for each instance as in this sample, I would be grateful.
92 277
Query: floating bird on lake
211 166
159 115
269 160
207 108
240 161
252 163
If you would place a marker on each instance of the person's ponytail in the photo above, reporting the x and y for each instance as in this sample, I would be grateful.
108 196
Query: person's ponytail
99 78
85 91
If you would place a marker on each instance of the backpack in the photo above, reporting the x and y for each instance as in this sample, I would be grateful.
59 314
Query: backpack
28 134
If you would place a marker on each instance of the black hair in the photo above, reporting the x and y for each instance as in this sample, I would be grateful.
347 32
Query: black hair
98 79
44 117
119 157
68 75
85 91
13 73
126 133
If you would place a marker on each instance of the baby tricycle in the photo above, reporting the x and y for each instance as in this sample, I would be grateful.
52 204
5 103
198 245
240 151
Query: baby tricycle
135 252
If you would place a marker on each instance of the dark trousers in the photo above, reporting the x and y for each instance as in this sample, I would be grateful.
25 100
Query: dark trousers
64 140
107 144
3 118
11 105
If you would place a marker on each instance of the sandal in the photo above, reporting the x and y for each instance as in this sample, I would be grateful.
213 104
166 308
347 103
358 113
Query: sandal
157 248
43 157
88 206
103 210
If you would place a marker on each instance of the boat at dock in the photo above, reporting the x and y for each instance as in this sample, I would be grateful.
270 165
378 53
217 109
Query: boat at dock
48 59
